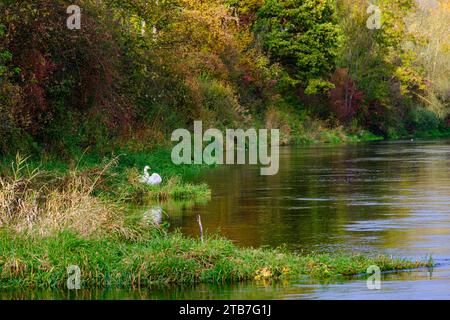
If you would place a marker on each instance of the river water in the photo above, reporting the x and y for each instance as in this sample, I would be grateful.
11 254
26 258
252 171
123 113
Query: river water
383 197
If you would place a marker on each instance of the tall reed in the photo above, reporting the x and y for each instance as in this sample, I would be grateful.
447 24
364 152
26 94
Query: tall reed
39 202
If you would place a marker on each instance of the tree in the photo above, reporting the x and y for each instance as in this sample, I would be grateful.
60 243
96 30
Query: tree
380 62
304 37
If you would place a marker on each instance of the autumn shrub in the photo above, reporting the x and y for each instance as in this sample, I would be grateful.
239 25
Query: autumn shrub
137 70
281 120
9 134
220 100
65 76
345 98
420 119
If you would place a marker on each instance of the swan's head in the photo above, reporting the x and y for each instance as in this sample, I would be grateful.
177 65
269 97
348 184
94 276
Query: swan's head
146 169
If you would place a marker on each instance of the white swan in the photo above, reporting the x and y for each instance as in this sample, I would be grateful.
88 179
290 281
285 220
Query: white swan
152 180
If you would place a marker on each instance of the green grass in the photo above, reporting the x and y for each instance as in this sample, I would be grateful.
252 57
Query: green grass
433 134
159 258
366 136
173 189
121 181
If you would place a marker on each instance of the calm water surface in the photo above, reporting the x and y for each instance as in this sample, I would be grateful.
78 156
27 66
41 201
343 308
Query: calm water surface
387 197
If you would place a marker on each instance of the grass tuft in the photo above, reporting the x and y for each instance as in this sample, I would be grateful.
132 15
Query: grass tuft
38 202
172 188
159 258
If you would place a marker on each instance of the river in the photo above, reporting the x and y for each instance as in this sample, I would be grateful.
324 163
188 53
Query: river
383 197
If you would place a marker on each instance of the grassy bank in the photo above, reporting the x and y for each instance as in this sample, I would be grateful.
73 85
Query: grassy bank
433 134
54 215
114 177
159 258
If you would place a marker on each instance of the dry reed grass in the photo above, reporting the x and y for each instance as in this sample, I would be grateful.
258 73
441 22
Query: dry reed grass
36 202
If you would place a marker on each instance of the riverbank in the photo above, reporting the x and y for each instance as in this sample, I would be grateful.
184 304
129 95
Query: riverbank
116 176
113 177
52 221
156 257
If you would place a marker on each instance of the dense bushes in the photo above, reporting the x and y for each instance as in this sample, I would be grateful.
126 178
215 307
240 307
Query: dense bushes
67 79
303 36
112 83
391 67
422 120
121 81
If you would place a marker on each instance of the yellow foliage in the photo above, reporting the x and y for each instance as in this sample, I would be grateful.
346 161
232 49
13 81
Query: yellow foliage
264 273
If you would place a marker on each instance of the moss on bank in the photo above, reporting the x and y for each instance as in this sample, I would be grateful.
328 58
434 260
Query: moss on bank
156 257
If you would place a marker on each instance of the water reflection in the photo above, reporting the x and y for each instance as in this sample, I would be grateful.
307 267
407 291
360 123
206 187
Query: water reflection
154 215
417 284
388 197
